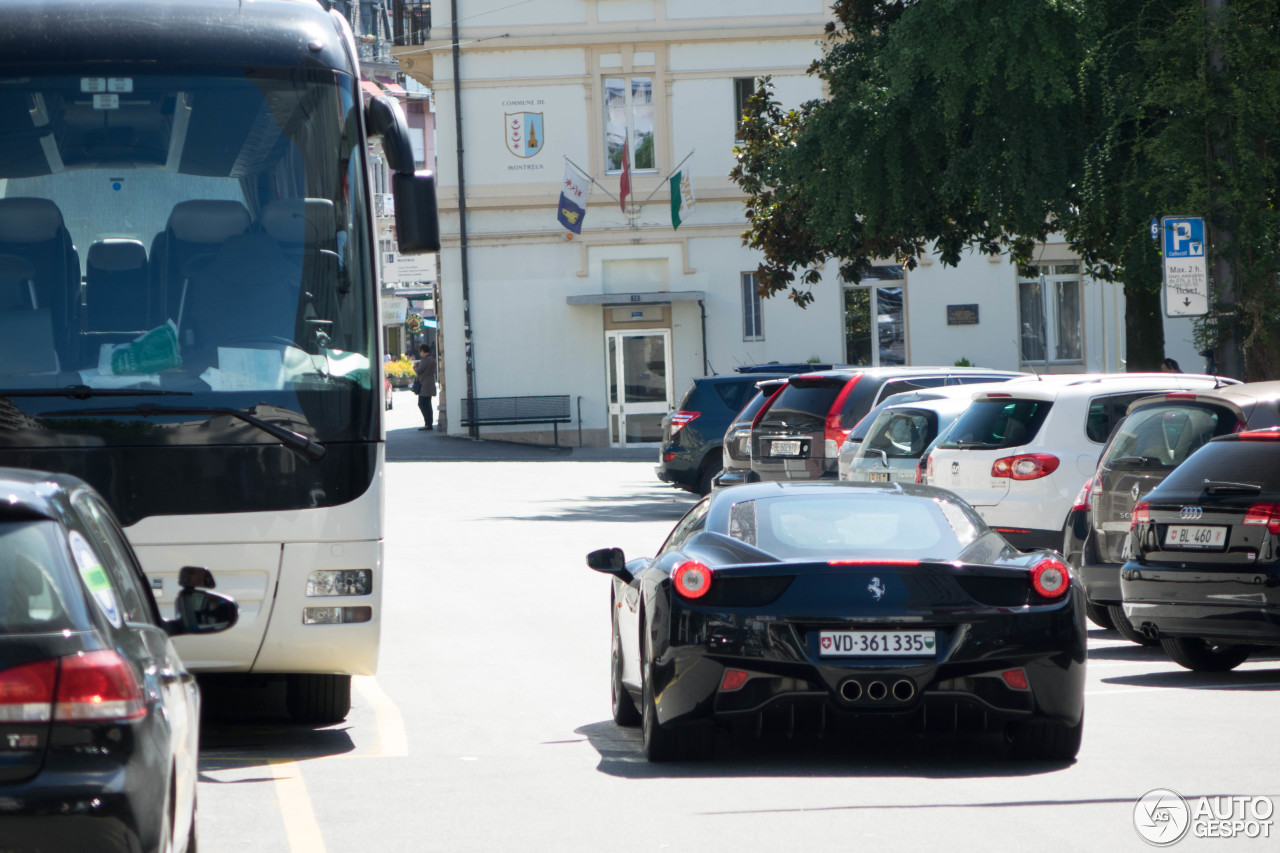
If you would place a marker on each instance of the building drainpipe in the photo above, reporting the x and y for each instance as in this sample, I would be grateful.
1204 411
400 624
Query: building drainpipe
474 430
706 361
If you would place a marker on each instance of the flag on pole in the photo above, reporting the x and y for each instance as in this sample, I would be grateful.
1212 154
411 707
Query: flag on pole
574 191
682 203
624 185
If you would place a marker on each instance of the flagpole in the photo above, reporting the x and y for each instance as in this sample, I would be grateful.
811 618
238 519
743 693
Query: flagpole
587 175
662 183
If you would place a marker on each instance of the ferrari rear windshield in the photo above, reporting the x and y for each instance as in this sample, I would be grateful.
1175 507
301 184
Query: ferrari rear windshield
855 526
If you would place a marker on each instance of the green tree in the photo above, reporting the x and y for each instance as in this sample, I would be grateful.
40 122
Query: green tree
993 123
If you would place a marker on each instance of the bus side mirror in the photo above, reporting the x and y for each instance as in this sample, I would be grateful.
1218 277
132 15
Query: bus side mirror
417 212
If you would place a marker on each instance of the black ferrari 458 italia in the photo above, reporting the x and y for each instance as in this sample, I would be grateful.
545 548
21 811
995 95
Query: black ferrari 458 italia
822 602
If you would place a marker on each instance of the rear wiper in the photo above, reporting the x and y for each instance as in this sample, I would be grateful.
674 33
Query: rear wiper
971 444
1219 487
84 392
291 440
1139 461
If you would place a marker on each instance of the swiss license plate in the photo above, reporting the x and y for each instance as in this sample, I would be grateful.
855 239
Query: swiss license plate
877 643
1195 536
784 448
878 476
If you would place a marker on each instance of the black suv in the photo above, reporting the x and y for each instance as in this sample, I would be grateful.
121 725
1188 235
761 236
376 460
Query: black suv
1157 435
1203 574
798 436
692 435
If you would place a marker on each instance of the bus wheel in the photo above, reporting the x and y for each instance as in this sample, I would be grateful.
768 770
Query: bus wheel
318 699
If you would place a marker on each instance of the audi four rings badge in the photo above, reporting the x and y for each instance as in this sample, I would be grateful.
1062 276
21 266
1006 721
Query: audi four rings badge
1190 513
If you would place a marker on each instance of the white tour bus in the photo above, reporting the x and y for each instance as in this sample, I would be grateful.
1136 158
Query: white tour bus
189 307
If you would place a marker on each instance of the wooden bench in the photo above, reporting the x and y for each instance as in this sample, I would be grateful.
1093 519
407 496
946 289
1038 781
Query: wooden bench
491 411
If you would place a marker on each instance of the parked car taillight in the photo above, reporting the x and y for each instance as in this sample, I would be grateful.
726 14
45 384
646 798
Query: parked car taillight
1141 515
1268 514
679 419
1028 466
834 432
1082 500
96 686
1050 578
90 687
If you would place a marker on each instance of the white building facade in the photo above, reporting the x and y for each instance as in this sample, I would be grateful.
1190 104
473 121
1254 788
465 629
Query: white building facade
622 315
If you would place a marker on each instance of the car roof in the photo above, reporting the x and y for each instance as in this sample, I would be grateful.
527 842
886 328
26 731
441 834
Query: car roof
1057 386
785 488
26 493
896 372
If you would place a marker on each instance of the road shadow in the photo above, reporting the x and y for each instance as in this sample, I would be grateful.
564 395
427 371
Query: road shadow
245 723
660 503
1128 652
835 755
1248 679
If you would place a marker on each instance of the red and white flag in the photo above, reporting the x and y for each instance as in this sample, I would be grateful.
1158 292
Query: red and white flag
624 185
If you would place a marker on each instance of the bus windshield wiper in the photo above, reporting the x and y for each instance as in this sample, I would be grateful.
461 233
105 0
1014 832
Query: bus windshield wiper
84 392
1220 487
291 440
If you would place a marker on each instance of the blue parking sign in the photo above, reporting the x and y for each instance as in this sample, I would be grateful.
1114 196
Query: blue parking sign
1186 273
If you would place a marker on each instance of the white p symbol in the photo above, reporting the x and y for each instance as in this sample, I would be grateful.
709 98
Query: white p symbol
1181 234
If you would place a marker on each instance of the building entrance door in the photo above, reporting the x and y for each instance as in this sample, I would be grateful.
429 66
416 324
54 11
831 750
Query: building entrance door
640 390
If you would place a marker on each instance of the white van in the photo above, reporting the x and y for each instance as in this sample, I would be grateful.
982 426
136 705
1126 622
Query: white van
1019 453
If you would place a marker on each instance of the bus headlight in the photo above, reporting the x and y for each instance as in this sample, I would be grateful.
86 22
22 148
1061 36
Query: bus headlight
340 582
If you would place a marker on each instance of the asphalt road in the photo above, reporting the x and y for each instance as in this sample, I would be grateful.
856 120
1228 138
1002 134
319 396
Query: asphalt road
487 727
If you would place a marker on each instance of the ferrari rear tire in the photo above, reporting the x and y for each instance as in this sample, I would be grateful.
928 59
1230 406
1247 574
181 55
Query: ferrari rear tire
1046 740
1099 615
662 743
1125 628
624 709
1203 656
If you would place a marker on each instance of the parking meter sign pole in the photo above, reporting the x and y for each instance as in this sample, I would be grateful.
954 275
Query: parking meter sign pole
1186 272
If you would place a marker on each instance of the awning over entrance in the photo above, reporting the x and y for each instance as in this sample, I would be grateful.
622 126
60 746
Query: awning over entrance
370 89
660 297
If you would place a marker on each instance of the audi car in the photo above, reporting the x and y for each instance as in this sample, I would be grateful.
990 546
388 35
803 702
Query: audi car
828 603
1203 574
99 719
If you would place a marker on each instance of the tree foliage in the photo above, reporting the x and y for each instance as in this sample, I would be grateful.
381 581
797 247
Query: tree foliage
992 123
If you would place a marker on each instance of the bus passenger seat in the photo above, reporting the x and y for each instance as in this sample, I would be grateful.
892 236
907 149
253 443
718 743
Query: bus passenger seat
32 229
195 228
116 287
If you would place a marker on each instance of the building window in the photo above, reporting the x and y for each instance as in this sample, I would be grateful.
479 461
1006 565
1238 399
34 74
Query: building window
1050 316
628 116
752 323
743 88
875 319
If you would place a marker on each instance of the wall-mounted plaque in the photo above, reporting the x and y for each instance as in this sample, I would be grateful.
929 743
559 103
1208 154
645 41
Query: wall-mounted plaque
962 315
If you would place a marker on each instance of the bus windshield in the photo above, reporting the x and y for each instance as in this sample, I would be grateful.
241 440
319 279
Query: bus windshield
186 233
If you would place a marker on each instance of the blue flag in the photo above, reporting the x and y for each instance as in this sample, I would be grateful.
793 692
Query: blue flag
573 199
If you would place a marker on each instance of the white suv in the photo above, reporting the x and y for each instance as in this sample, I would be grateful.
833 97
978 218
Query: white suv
1020 452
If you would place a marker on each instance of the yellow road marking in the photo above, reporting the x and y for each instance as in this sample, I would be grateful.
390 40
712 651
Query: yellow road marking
300 823
392 742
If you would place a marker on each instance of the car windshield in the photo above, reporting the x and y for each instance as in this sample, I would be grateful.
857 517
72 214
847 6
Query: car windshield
1164 435
855 526
189 232
994 424
38 594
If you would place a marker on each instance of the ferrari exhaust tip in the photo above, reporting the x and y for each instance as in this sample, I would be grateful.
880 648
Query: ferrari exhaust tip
851 691
903 690
877 690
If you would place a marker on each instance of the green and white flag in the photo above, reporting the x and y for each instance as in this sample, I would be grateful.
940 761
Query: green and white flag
682 204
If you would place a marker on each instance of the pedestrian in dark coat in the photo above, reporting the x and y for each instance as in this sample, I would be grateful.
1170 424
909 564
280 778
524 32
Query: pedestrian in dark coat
425 368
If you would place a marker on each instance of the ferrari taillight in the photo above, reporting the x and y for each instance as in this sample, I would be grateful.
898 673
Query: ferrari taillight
691 579
1051 578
